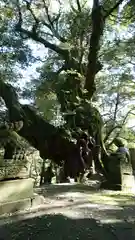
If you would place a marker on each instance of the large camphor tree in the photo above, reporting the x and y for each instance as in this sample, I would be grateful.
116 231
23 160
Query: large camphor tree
78 62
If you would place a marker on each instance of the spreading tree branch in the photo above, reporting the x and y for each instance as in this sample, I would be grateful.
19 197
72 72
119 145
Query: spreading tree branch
111 10
36 24
63 52
98 19
51 22
119 127
33 35
110 132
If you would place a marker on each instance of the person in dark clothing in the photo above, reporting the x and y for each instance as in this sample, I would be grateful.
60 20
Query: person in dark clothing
48 175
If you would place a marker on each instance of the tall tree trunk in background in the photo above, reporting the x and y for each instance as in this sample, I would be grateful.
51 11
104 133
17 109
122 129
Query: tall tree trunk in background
98 23
97 32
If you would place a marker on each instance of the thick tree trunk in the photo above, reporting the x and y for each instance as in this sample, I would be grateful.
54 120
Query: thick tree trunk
9 151
40 134
97 31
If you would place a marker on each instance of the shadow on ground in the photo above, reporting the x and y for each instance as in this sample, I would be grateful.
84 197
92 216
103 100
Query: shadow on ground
82 213
59 227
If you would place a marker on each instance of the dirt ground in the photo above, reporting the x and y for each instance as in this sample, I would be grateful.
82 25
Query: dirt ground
74 211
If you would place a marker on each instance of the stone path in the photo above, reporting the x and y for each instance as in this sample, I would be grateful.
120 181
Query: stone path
73 212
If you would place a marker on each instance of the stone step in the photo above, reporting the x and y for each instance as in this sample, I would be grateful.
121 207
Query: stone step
15 190
12 207
22 204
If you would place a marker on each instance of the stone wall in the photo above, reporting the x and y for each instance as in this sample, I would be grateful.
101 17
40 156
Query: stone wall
21 166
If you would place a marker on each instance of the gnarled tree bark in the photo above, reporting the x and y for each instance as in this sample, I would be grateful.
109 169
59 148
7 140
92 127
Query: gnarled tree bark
40 134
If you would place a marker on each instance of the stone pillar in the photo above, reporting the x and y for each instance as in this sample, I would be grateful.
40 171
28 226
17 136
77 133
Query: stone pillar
127 177
132 155
120 173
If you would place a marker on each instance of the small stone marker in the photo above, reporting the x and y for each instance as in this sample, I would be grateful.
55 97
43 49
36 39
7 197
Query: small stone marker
127 177
121 173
